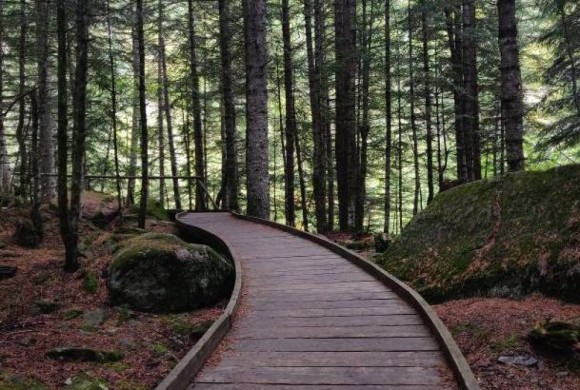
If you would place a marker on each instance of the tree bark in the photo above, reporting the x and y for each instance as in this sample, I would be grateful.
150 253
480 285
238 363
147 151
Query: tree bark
511 84
290 133
20 128
346 158
256 108
413 115
200 203
45 146
231 168
428 108
143 117
389 117
136 125
5 174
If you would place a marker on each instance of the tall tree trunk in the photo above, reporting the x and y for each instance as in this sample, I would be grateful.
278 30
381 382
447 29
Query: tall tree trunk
160 128
143 118
399 141
511 84
413 115
200 203
79 128
46 146
35 215
290 132
135 124
346 158
428 108
302 180
167 110
20 128
231 169
5 174
256 108
316 56
114 109
454 35
471 100
389 117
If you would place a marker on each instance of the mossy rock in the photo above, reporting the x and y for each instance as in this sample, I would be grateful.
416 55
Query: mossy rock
2 245
47 306
8 382
84 381
25 234
158 272
154 210
83 354
507 236
556 335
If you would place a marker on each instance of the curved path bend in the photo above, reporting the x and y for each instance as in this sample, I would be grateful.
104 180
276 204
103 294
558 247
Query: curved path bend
311 319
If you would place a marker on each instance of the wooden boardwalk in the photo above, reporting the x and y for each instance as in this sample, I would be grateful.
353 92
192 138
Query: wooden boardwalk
310 319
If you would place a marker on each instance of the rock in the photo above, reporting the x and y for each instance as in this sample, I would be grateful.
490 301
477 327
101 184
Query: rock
47 307
556 335
101 209
83 354
382 242
7 272
84 381
27 341
160 273
524 360
2 245
25 234
95 318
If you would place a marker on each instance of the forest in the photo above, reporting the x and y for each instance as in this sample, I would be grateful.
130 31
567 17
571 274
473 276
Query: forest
429 126
350 116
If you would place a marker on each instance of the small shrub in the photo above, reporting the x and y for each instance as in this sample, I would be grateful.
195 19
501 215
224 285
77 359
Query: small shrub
90 283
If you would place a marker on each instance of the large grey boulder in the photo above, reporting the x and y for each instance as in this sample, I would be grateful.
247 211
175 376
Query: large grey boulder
160 273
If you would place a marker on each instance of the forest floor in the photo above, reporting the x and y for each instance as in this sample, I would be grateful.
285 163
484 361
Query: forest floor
42 308
489 328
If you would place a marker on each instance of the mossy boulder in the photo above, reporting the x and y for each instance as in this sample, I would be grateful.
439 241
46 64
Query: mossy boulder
83 354
99 208
506 236
25 234
160 273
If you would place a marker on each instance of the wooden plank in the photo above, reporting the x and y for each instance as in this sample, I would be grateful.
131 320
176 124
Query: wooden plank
325 297
323 375
261 386
322 304
406 319
336 312
331 332
326 278
408 344
333 359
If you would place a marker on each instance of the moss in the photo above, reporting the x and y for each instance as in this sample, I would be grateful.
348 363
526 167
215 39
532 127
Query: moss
505 236
154 210
118 367
72 314
9 382
160 348
47 307
128 384
90 282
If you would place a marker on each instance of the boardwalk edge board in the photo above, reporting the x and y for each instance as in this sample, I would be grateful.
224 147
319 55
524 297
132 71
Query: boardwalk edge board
184 372
465 377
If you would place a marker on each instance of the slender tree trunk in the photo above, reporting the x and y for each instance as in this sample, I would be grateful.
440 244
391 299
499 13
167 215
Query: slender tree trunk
200 203
389 116
428 108
569 53
301 178
511 84
290 132
160 127
231 169
79 127
46 146
413 115
315 55
256 108
136 124
346 158
167 110
399 141
114 109
20 128
5 174
143 118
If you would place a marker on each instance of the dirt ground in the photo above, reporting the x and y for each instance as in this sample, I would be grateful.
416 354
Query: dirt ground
80 316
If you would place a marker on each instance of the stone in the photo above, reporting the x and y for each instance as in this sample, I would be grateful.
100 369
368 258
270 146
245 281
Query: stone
84 354
382 242
101 209
523 360
84 381
160 273
25 234
47 306
2 245
95 318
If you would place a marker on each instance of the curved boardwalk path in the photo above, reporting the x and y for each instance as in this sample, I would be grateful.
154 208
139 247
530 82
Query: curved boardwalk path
310 319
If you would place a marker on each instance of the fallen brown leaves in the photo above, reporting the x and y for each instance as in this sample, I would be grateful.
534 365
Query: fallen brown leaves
151 343
486 328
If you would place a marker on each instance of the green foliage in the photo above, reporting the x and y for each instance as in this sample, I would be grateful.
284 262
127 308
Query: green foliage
13 382
72 314
90 282
160 348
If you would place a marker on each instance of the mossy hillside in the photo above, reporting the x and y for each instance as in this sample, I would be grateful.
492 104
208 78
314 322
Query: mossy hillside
504 236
